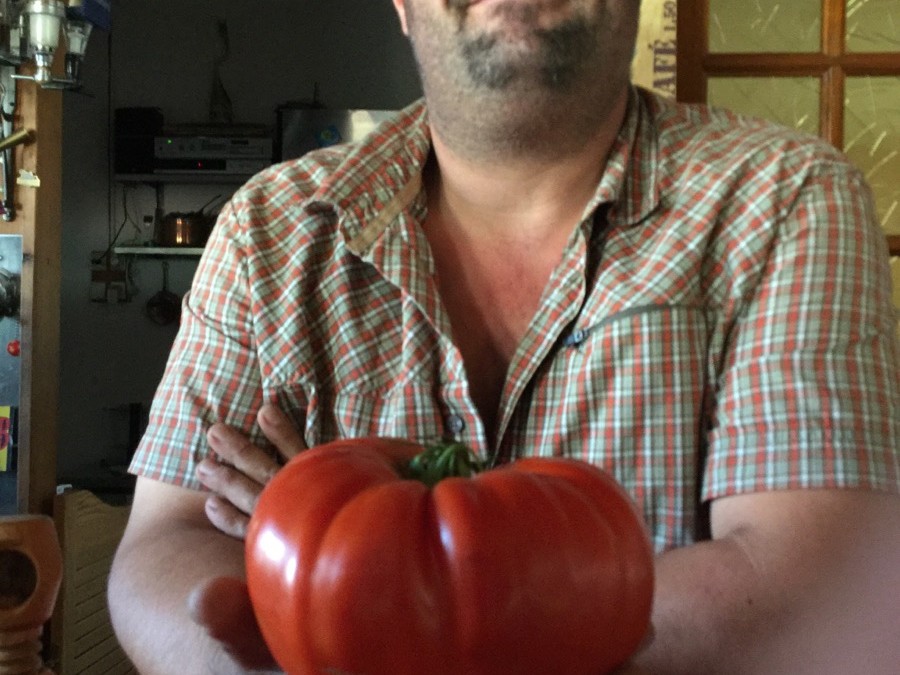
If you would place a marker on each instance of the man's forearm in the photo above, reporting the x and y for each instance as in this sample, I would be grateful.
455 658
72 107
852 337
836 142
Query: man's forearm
819 604
701 615
168 552
151 616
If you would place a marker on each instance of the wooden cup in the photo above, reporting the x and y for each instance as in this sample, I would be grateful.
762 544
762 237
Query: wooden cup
30 576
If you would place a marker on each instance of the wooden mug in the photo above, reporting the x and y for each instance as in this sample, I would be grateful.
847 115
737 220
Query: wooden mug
30 576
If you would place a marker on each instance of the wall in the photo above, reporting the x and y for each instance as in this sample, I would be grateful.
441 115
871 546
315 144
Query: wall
160 53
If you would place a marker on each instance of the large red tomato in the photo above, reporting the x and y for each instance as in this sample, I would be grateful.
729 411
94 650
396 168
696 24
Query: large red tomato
358 562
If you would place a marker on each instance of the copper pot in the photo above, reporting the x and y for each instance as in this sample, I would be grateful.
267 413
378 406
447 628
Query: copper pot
184 229
190 228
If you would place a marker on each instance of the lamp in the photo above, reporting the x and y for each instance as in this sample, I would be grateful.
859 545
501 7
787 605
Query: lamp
30 32
43 19
78 31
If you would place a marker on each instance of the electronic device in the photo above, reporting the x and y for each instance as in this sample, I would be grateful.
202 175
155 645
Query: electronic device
190 153
135 131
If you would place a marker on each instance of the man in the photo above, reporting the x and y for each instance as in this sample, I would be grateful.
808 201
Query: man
547 261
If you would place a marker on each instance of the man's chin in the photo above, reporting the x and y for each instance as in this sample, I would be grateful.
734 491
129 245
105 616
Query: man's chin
497 61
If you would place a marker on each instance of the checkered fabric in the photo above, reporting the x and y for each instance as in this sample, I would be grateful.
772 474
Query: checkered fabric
719 323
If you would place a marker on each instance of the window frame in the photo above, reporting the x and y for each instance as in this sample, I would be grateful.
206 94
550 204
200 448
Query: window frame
832 65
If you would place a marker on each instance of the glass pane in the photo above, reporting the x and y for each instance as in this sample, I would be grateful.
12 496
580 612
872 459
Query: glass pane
872 140
765 26
873 26
791 101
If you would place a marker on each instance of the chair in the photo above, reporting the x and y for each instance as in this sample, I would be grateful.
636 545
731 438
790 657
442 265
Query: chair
81 634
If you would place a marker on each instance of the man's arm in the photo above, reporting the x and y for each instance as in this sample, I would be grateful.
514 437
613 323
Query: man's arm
793 581
168 552
797 582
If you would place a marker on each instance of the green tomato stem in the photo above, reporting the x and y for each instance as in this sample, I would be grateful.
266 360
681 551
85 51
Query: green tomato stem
442 460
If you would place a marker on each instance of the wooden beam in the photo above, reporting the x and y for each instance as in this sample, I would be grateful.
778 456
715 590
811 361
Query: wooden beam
692 45
38 220
791 64
831 106
767 64
894 244
834 27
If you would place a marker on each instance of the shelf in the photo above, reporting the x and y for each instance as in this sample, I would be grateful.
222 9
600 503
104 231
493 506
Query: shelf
158 251
185 178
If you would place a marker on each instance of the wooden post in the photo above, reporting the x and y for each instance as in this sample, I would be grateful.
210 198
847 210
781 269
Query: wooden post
38 220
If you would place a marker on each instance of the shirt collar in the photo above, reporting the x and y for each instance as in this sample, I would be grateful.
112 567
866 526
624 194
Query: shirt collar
630 181
381 177
378 178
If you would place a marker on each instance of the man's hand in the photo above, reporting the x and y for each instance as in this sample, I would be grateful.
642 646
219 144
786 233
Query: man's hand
221 606
243 469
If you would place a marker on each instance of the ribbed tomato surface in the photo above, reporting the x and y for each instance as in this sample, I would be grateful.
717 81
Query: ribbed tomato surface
540 566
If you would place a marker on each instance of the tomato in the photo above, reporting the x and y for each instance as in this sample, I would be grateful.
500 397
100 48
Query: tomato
360 562
13 347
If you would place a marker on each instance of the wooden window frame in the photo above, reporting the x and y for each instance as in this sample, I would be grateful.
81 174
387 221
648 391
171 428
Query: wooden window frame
832 65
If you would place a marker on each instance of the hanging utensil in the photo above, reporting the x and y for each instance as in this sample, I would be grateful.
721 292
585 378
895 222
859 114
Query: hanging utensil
212 201
220 109
165 306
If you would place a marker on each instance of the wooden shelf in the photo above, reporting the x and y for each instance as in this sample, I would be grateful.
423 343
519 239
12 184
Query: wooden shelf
159 251
185 178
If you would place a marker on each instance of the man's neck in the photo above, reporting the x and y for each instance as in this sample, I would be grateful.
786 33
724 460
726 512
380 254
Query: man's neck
526 191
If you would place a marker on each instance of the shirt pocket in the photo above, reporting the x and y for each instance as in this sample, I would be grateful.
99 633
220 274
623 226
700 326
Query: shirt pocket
632 393
408 409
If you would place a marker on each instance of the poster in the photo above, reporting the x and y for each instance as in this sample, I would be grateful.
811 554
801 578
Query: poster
5 437
10 342
654 58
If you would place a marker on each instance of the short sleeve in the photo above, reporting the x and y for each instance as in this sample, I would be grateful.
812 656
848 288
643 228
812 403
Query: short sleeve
809 395
212 374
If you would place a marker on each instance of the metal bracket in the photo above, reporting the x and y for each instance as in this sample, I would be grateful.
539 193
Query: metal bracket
7 116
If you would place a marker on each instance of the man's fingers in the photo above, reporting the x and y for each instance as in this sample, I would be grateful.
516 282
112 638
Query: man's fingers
226 518
229 482
222 607
280 430
235 449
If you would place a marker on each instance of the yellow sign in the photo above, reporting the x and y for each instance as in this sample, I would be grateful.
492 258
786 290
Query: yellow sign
5 428
654 56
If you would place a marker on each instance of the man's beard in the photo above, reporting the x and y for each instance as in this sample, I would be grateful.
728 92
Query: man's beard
563 52
522 85
537 58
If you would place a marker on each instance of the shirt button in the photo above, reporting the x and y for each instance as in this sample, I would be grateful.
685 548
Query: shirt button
575 338
455 424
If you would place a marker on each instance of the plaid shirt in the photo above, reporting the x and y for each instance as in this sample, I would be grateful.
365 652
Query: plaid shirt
719 323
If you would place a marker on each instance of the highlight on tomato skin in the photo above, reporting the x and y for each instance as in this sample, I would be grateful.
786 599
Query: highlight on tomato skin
381 556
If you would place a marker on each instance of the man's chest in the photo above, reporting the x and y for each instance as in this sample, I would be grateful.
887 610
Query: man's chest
491 296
